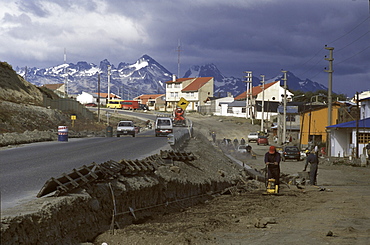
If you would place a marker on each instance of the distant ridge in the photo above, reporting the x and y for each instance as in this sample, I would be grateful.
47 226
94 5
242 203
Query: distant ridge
145 76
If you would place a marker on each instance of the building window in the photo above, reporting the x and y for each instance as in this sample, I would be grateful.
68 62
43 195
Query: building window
172 94
290 118
244 110
169 85
191 94
229 109
177 85
176 94
363 138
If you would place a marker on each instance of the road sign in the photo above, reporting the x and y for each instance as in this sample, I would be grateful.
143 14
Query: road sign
183 103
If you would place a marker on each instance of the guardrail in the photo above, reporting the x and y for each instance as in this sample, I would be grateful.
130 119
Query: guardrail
180 136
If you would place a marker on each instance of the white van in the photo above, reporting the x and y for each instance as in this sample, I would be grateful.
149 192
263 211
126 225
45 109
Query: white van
163 126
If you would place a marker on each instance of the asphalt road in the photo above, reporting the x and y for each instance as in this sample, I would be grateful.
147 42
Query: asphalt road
25 169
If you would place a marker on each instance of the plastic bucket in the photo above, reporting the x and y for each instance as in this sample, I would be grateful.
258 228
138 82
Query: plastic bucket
62 133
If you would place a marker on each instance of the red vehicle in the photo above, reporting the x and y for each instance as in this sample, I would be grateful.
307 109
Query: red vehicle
130 105
124 104
262 140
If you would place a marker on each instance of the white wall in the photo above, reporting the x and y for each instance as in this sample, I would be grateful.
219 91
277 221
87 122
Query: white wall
365 109
85 98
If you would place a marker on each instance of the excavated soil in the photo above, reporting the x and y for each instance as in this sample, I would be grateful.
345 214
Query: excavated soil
335 212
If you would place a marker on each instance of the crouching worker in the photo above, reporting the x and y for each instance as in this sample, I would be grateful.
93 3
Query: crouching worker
272 161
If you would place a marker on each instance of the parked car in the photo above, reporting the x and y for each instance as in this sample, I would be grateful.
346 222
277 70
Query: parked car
91 105
144 107
262 140
253 137
291 153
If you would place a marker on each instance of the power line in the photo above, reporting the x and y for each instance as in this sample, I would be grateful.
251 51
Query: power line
354 28
311 58
353 41
349 31
311 67
352 56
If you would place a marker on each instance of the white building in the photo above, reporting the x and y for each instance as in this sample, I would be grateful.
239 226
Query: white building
272 95
195 90
85 98
344 138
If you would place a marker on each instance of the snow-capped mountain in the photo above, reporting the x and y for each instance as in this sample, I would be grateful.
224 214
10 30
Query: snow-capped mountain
222 84
295 83
236 86
145 76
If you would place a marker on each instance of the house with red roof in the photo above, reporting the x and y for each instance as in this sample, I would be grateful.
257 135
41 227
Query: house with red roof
271 93
195 90
153 101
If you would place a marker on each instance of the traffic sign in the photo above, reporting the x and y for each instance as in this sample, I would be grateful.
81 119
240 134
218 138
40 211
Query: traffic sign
183 103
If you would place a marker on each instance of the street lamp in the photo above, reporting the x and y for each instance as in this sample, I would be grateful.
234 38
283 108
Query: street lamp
298 96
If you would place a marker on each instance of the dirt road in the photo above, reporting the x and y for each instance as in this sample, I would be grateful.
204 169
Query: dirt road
336 213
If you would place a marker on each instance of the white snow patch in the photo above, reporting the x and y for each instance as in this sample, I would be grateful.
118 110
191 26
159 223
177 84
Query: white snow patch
140 64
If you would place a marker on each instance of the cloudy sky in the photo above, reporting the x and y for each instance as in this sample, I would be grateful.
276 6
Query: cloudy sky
263 36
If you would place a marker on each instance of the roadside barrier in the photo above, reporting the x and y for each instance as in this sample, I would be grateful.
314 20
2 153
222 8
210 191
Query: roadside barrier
180 136
78 178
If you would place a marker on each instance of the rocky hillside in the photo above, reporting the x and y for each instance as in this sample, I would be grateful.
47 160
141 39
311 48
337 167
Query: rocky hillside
21 105
15 89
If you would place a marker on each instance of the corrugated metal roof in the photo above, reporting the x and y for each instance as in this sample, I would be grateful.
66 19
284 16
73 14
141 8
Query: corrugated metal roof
363 123
238 103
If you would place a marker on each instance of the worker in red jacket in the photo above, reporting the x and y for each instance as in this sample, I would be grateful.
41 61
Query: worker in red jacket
272 161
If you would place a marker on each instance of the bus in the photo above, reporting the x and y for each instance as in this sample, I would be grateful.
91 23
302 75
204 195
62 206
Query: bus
123 104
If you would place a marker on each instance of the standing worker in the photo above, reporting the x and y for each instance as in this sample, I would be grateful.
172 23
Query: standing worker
272 161
368 150
214 137
236 143
314 163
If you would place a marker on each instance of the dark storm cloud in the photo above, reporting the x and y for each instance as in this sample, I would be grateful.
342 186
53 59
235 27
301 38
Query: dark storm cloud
260 35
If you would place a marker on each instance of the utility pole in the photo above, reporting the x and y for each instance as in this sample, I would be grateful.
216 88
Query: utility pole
109 67
248 99
330 89
263 102
65 72
284 119
357 121
178 58
98 97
